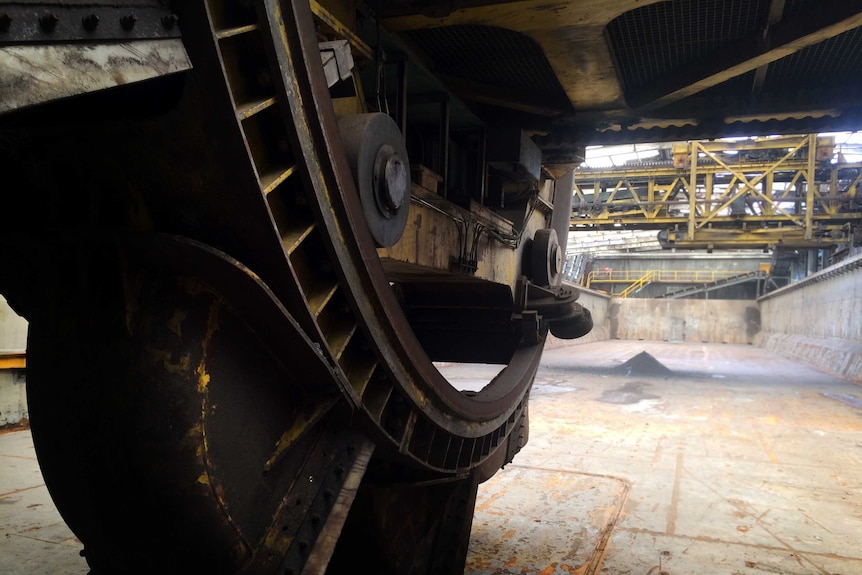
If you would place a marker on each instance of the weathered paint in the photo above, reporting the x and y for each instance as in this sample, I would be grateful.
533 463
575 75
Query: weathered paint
32 75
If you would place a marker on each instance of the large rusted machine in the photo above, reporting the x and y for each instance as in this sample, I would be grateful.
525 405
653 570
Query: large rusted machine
244 231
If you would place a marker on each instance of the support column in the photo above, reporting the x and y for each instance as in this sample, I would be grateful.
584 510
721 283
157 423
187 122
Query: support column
809 187
562 217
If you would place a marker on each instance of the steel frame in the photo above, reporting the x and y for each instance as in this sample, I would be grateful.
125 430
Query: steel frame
797 197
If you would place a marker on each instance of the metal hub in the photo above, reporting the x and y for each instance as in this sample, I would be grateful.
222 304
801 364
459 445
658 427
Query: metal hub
377 157
547 259
390 181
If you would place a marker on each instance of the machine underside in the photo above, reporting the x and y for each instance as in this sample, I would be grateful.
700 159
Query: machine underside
244 231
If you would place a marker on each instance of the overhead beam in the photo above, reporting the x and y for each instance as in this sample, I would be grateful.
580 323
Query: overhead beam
776 11
825 20
501 97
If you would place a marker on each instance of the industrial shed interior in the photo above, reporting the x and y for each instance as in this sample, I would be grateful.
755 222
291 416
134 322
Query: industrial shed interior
431 287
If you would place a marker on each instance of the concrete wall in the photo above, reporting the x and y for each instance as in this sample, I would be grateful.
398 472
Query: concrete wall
13 398
701 321
13 329
13 339
717 321
818 320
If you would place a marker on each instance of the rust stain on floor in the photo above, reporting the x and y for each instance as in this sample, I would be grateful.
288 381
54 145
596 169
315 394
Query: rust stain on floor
757 471
570 520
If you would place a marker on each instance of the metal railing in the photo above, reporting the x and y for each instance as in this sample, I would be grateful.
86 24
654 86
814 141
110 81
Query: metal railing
637 284
659 276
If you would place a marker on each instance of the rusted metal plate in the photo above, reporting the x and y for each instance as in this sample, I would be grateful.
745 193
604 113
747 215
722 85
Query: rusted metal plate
543 522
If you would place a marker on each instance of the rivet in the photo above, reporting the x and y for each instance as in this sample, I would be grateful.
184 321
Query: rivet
170 21
48 21
303 544
90 22
5 22
128 22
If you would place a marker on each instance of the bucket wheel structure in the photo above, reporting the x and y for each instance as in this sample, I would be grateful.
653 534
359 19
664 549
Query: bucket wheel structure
239 273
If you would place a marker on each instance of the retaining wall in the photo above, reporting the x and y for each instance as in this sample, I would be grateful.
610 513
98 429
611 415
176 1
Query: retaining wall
818 320
684 320
700 321
13 398
13 340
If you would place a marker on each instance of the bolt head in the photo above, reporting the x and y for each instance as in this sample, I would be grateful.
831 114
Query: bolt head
556 260
395 183
48 21
170 21
391 181
128 22
90 22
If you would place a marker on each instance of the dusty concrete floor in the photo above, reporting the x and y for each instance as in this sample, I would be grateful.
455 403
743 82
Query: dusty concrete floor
738 462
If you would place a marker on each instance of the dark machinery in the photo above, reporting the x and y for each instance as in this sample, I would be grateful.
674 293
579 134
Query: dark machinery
233 304
243 231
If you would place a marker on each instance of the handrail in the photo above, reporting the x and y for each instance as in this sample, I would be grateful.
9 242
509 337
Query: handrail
661 276
638 284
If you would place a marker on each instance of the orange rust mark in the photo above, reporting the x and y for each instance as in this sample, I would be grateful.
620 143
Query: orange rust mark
547 570
599 515
509 534
15 491
772 457
488 502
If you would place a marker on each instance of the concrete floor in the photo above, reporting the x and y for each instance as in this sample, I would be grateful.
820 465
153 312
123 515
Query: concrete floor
738 462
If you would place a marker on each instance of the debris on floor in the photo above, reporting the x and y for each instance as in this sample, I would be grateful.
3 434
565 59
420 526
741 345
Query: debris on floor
643 365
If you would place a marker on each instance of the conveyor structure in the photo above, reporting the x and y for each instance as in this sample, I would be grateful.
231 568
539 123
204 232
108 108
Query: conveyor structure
790 191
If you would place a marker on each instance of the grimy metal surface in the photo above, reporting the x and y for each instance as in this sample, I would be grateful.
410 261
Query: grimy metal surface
191 246
246 378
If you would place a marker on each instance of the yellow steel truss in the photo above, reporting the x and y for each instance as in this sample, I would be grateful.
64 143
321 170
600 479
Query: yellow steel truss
755 193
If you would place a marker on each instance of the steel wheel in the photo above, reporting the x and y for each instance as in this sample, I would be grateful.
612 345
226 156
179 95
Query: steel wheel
238 349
